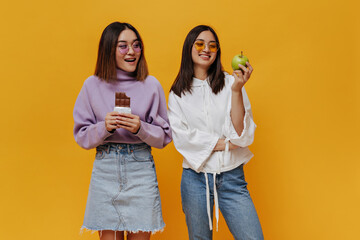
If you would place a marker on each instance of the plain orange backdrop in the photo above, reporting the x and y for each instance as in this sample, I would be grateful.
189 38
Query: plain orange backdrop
305 176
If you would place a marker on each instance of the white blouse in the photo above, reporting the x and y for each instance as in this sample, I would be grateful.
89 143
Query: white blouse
198 119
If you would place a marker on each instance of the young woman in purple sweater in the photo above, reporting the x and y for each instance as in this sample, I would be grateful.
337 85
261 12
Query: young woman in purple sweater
123 194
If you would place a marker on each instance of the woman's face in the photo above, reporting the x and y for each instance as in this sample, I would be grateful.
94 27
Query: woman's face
203 50
128 51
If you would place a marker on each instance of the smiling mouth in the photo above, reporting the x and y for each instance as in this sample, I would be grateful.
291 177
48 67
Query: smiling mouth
204 56
130 60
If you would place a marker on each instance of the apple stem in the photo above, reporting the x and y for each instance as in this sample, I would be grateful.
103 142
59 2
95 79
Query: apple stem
241 54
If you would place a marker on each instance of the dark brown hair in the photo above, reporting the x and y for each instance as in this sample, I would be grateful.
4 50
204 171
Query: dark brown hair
106 60
183 81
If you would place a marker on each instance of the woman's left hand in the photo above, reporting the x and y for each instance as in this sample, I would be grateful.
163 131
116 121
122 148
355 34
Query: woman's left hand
129 122
241 77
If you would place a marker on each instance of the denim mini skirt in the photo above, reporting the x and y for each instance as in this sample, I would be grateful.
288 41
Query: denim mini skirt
123 193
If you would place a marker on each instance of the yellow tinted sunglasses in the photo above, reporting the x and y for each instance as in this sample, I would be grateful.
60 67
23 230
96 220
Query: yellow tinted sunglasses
200 45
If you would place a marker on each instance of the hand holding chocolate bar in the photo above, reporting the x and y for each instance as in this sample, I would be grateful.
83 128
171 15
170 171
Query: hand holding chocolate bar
125 120
129 122
122 105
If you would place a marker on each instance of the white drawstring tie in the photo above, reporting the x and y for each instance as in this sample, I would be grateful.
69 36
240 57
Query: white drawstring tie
208 201
216 203
216 200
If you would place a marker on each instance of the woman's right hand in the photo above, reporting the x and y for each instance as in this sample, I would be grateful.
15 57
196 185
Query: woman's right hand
111 119
241 77
220 145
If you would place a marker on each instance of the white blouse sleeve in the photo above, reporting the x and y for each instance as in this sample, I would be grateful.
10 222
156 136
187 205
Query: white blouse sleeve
247 136
196 146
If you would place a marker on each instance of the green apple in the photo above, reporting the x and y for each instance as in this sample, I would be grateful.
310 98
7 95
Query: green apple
239 59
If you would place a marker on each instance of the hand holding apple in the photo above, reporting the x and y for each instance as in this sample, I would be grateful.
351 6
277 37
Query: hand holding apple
242 71
239 59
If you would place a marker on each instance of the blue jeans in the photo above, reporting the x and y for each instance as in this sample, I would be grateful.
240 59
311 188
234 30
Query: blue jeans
234 199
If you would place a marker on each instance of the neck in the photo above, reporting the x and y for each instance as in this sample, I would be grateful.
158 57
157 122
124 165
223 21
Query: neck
200 72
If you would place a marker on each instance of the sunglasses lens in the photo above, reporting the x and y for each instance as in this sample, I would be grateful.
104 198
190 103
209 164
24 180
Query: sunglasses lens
213 47
199 45
123 48
136 46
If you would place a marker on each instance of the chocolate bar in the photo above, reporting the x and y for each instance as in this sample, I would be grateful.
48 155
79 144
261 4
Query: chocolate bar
122 103
121 100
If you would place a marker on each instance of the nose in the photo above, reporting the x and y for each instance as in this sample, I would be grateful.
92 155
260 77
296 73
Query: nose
206 48
131 50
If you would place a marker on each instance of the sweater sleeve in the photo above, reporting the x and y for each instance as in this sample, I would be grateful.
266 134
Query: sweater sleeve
196 146
155 130
88 132
247 136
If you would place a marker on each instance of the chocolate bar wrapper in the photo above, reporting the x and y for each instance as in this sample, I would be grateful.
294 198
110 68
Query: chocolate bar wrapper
122 109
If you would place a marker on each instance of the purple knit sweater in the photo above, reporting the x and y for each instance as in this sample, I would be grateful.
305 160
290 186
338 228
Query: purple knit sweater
97 98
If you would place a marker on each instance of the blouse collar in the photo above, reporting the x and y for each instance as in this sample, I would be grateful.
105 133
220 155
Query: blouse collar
197 82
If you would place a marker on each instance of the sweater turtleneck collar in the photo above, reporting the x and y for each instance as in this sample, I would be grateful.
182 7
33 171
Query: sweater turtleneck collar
125 76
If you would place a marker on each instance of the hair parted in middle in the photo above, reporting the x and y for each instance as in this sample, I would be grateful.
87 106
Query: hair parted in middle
106 60
183 81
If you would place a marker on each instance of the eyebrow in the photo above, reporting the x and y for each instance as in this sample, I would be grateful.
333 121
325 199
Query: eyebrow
126 41
199 39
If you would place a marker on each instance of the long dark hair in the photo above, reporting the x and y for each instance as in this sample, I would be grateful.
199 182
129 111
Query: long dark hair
183 81
106 59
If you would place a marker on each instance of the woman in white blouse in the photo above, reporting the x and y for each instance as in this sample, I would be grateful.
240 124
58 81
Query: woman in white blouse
212 124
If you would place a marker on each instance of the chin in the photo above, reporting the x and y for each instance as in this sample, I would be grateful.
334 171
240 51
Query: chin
205 64
131 70
128 69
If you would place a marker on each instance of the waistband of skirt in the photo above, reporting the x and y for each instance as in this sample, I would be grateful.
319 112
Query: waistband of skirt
129 147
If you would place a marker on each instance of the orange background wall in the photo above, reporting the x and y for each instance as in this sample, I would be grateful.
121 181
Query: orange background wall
305 176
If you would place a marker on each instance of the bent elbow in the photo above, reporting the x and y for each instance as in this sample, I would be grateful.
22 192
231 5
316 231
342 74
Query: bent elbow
243 141
84 144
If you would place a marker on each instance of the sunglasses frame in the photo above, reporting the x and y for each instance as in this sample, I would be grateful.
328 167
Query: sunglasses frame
128 46
206 44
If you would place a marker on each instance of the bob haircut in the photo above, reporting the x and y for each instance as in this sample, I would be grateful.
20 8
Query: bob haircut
183 81
106 59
